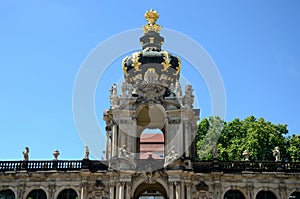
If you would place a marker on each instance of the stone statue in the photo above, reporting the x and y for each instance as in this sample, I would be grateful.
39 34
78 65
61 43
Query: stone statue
172 88
25 153
276 154
189 90
214 151
178 89
171 157
130 89
124 88
114 99
246 155
124 153
56 154
114 90
188 99
86 153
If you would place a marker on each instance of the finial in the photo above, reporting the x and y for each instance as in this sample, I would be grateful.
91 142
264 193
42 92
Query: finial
151 16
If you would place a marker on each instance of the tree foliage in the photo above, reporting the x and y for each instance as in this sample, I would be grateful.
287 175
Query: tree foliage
208 133
294 147
258 136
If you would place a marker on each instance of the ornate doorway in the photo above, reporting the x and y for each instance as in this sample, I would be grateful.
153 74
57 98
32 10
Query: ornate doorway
150 191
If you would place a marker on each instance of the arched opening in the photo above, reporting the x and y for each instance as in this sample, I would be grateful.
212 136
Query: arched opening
7 194
150 139
152 144
150 191
150 116
234 194
295 195
265 195
37 194
67 194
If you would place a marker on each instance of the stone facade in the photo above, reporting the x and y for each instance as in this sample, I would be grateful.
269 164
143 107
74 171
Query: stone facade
151 97
171 183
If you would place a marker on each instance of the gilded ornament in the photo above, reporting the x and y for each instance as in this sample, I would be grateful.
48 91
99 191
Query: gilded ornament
178 68
167 61
151 40
124 67
135 61
151 16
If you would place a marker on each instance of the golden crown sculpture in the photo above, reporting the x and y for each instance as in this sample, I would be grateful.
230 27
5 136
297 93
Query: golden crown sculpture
151 16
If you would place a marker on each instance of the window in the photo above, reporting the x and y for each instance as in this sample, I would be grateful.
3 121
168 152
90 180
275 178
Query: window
37 194
295 195
7 194
67 194
265 195
234 194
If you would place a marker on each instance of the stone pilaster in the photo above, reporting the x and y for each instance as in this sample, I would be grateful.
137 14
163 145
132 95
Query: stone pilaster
178 190
283 191
171 190
249 190
114 142
128 190
111 191
51 190
217 190
188 190
121 190
108 144
21 191
84 190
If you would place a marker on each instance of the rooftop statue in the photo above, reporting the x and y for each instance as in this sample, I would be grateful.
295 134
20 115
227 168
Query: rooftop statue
26 153
276 154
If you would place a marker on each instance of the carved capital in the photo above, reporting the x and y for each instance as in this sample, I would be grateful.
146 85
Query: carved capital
84 184
122 183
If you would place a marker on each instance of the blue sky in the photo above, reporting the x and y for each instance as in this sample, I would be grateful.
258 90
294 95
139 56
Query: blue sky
255 45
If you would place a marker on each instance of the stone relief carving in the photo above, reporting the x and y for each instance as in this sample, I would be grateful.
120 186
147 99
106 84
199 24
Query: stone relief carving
149 178
151 76
203 195
171 157
126 155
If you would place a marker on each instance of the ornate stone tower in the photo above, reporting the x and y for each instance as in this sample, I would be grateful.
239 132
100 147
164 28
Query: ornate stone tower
151 97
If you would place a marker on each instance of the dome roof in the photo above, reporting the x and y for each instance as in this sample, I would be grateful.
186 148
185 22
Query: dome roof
151 64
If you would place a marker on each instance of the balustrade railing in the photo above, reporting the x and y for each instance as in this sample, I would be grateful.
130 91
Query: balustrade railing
198 166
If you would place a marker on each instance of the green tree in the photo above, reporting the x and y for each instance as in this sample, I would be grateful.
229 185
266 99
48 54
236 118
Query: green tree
207 135
258 136
294 147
